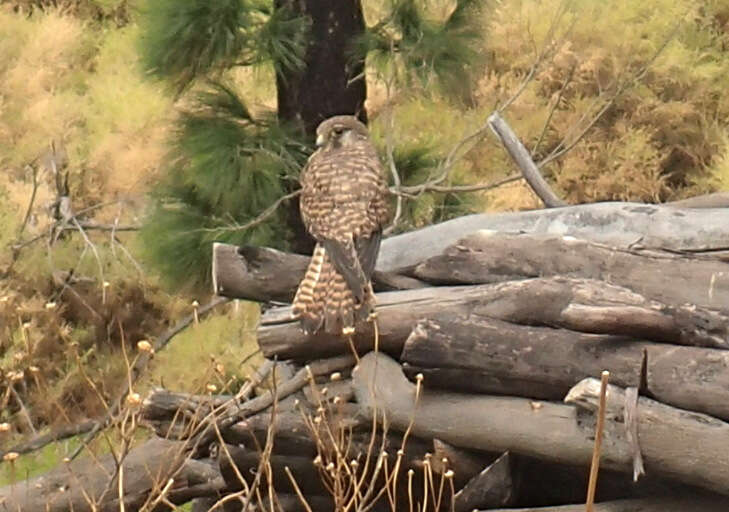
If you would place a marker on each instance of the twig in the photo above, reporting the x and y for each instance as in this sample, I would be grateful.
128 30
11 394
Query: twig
265 214
563 147
553 108
595 465
548 48
33 194
476 187
23 409
297 489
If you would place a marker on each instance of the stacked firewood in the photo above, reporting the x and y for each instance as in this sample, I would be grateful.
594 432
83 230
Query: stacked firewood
475 387
509 318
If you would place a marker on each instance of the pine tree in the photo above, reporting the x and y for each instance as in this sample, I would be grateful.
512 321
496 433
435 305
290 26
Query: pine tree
227 165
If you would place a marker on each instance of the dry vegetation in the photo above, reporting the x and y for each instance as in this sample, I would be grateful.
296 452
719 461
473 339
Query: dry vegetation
69 78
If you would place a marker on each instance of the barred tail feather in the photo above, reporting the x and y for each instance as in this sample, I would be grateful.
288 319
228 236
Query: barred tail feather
324 298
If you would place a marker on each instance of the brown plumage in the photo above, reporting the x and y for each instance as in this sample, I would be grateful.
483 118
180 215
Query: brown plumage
344 207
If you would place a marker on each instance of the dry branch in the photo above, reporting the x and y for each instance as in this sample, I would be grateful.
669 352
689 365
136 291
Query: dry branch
523 160
268 275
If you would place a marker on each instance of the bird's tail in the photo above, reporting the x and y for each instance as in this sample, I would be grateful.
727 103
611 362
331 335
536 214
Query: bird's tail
324 298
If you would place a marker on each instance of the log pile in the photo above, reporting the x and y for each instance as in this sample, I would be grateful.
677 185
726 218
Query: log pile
480 394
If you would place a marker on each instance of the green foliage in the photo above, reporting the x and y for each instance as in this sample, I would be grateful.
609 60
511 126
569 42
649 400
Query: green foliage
220 350
412 43
189 39
228 167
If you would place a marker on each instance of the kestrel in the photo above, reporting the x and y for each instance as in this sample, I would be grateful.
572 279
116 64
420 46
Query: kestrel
344 207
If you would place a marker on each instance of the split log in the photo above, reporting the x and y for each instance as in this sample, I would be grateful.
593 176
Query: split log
547 430
477 353
582 305
491 488
662 504
488 257
84 482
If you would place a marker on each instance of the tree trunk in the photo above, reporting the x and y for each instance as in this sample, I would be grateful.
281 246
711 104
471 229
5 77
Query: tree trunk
332 81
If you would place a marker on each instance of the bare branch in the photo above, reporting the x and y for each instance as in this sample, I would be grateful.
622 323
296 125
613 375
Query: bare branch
524 161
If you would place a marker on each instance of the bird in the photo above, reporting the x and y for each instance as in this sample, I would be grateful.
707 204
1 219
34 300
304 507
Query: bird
344 207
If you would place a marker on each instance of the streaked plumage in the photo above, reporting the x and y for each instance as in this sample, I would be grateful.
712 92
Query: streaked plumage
344 207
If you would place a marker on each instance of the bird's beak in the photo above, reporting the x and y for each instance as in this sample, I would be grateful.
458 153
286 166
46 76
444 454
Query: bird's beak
319 140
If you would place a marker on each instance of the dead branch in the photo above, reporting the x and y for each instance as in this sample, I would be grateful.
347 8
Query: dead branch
520 155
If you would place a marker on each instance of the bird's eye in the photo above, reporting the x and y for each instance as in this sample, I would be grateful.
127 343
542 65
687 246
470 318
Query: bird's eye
338 130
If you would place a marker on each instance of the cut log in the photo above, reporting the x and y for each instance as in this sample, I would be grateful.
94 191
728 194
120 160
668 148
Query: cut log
477 353
488 257
145 468
684 445
547 430
622 225
583 305
266 275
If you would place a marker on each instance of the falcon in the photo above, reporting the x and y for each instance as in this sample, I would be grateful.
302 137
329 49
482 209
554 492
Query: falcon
344 207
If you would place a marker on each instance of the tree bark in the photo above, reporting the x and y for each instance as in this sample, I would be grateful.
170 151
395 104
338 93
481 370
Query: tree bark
547 430
583 305
331 82
476 353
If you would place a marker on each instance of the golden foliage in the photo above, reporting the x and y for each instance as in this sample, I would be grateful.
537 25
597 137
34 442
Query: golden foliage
661 137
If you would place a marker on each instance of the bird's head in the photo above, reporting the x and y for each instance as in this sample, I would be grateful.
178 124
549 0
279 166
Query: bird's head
339 131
